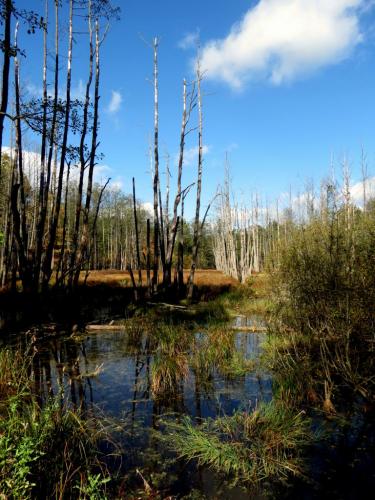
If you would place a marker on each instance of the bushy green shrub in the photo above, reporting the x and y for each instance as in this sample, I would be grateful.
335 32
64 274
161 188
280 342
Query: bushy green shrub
325 302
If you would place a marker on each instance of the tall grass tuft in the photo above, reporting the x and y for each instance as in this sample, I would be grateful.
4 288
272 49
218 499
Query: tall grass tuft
247 447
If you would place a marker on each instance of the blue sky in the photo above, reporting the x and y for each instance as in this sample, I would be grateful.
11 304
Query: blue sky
289 84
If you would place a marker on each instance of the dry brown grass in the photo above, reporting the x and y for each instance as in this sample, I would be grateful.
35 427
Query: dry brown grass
203 278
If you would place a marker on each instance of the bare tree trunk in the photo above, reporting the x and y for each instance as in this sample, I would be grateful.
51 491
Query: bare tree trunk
47 266
60 264
137 236
82 158
196 235
94 145
22 248
156 168
173 231
7 15
148 257
42 181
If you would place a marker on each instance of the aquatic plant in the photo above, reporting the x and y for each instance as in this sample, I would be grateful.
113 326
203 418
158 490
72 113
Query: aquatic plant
215 349
265 443
170 346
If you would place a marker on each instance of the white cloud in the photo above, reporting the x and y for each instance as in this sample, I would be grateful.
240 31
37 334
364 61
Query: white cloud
356 191
189 41
148 207
280 40
191 154
115 102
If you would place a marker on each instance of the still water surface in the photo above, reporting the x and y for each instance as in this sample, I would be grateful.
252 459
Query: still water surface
110 373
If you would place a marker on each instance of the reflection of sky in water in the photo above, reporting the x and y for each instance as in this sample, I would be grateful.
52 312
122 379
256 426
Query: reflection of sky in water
122 388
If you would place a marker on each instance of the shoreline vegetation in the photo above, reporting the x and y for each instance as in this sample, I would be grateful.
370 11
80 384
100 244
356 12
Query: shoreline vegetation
267 443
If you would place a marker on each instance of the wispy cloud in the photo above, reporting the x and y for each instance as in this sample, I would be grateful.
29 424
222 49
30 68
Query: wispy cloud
281 40
115 102
79 90
189 41
33 90
191 154
356 191
148 207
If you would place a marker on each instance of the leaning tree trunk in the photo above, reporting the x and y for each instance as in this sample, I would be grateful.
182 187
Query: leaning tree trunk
173 230
23 234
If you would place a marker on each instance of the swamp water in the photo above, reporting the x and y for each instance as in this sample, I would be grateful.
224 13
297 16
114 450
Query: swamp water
118 377
112 374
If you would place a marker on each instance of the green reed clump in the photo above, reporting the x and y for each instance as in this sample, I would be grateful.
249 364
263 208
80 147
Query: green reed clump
170 347
247 447
215 349
47 451
324 318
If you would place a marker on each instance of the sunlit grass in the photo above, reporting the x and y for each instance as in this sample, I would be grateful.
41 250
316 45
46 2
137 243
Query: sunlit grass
247 447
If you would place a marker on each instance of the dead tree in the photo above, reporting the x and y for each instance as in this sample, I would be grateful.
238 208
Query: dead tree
186 114
94 146
7 51
47 266
196 235
156 167
137 237
82 157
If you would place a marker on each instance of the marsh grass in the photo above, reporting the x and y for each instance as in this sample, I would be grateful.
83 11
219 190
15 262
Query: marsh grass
266 443
215 349
170 367
48 451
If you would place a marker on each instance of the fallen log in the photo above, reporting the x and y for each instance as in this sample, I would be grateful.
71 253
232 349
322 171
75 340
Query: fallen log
253 329
111 328
170 306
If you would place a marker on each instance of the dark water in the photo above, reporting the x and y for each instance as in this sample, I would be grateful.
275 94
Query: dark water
111 373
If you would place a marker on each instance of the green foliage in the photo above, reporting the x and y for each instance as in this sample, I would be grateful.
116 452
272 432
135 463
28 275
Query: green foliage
44 451
93 489
325 299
